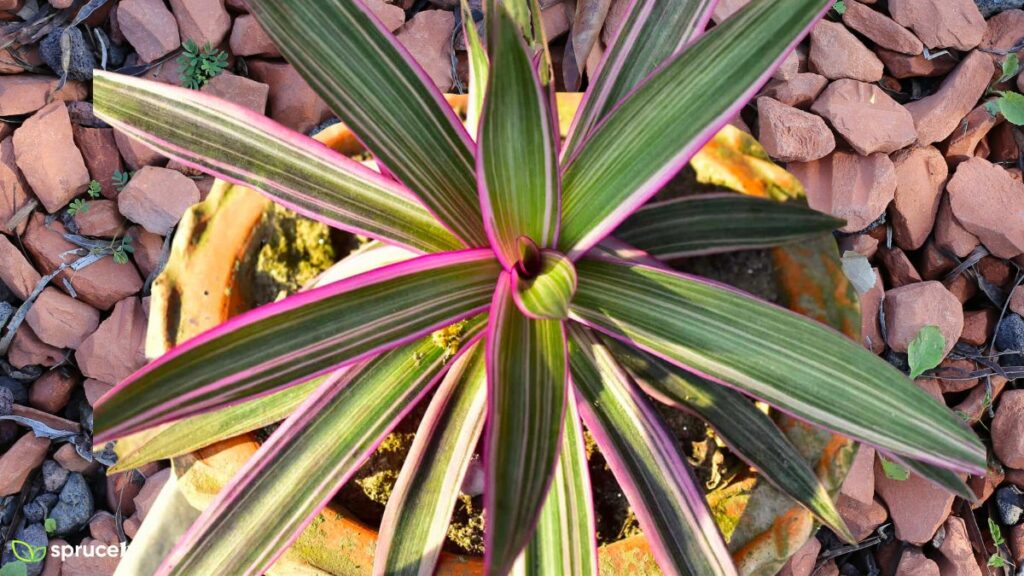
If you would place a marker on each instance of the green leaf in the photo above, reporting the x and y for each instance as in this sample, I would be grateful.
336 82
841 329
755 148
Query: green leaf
195 432
300 337
654 131
305 461
747 430
416 518
241 146
563 544
926 350
997 561
1010 67
1011 106
893 470
50 525
713 223
668 502
996 532
518 167
793 363
546 296
652 31
526 380
839 7
372 83
478 70
14 569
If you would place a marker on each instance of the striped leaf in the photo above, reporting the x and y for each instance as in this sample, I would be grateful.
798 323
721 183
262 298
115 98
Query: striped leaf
526 390
376 87
546 295
236 144
790 362
478 69
419 509
652 32
714 223
300 337
654 131
659 485
296 472
563 544
191 434
517 166
749 432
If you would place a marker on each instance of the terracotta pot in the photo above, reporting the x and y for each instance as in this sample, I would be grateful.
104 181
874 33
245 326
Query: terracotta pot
198 290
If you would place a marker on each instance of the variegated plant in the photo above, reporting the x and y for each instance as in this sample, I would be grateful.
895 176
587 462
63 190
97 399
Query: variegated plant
503 253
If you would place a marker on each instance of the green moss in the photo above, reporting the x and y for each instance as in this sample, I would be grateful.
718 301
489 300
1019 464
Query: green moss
292 252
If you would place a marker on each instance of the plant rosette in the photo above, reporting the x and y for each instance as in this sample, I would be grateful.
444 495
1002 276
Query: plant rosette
522 291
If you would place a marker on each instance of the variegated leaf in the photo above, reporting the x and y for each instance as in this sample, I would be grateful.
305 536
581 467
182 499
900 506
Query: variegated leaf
546 295
712 223
236 144
300 337
750 433
296 472
526 390
793 363
651 33
564 544
654 131
375 86
419 509
479 69
661 488
517 166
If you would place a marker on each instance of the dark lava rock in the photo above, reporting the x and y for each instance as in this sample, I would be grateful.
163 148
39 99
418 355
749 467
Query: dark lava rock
1010 338
897 359
18 390
991 7
6 402
54 476
34 535
7 310
82 59
75 507
1010 503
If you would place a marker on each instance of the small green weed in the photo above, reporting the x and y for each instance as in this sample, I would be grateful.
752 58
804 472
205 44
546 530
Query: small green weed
925 350
50 525
95 189
198 65
120 179
78 206
894 471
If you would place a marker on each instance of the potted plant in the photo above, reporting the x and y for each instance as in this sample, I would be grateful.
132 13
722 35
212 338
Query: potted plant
511 295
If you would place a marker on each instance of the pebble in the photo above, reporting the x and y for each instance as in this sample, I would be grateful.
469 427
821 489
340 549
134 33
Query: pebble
203 21
19 461
239 90
27 93
101 284
99 149
54 476
916 506
836 53
249 39
910 308
941 23
82 61
156 198
127 327
956 557
292 102
789 134
28 350
75 507
52 391
866 117
920 177
989 203
881 29
45 151
427 37
149 27
60 320
798 91
16 191
913 562
938 115
849 186
1010 504
19 392
1008 429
